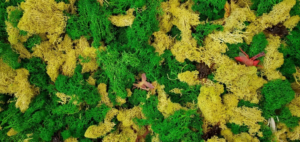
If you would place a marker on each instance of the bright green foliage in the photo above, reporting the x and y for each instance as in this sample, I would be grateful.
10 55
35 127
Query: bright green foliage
138 96
92 21
296 9
175 32
179 127
234 49
151 112
38 74
287 118
84 60
168 74
263 6
293 42
276 94
32 41
203 30
246 104
288 69
9 56
258 45
210 9
118 73
236 129
43 121
15 17
23 33
77 85
267 133
101 77
3 16
65 1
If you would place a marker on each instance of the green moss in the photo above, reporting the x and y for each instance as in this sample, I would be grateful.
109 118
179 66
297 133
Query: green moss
263 6
209 9
9 56
246 104
237 129
32 41
276 94
287 118
203 30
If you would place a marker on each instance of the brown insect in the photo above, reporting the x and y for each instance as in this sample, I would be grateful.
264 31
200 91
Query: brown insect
204 70
215 130
278 30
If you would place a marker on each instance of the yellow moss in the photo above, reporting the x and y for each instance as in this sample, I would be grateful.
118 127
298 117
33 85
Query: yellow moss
20 49
297 75
91 81
176 91
129 93
191 78
210 104
69 66
102 129
216 139
127 131
281 133
162 42
279 13
273 59
120 100
126 135
66 45
228 37
83 49
7 75
183 18
235 21
66 98
44 16
230 100
165 24
53 58
292 22
296 87
14 33
295 134
23 89
11 132
294 106
165 105
244 137
104 95
241 80
227 134
126 115
123 20
247 116
111 114
71 139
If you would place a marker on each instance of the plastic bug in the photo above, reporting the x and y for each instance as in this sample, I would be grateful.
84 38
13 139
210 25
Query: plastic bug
244 58
204 70
144 84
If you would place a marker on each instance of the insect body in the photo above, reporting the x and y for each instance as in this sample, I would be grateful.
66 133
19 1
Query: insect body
244 58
